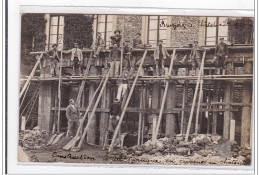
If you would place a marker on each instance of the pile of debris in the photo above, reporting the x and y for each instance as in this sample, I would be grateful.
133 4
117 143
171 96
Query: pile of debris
202 149
33 139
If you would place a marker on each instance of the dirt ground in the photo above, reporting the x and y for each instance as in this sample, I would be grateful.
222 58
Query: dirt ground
55 153
164 152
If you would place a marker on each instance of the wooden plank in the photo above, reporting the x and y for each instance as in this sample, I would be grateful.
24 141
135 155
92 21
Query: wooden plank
246 118
70 144
31 75
184 100
215 114
198 108
232 129
21 104
127 102
84 81
140 118
51 139
59 94
93 112
149 78
73 141
194 98
173 57
228 97
57 138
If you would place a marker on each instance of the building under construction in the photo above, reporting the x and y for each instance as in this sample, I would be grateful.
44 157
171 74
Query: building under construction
154 106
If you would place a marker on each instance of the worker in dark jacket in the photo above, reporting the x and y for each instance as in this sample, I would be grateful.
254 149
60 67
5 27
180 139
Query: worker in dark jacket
137 41
129 60
221 53
114 113
115 54
160 55
54 60
195 57
73 116
116 39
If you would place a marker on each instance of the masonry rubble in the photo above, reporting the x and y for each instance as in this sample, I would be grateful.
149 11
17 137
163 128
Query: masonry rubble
207 149
33 139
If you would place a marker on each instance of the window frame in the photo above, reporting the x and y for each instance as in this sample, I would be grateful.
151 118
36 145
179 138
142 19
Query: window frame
58 29
157 29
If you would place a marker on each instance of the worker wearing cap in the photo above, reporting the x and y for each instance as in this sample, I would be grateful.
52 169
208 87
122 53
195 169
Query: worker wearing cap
76 59
115 54
221 53
195 56
73 116
137 41
54 60
129 61
160 55
98 45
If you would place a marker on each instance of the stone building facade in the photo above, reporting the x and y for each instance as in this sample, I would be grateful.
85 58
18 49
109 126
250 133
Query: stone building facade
175 31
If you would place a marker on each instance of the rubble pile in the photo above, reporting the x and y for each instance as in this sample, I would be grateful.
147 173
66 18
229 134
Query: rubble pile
33 139
202 149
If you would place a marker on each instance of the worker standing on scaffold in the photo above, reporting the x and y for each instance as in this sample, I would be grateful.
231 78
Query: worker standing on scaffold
54 60
160 55
76 59
195 57
221 53
115 54
129 60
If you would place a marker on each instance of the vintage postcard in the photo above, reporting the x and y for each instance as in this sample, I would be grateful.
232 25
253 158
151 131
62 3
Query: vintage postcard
136 89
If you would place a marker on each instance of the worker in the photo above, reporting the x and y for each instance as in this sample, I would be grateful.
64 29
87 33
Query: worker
122 87
98 45
54 60
114 113
221 53
195 57
116 39
160 55
76 59
129 61
115 54
73 116
137 41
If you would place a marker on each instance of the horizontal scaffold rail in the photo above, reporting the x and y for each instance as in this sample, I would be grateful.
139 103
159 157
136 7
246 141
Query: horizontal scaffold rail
150 78
230 47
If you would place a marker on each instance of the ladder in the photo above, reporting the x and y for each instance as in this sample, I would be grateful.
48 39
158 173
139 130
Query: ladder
173 58
31 75
126 104
199 82
102 84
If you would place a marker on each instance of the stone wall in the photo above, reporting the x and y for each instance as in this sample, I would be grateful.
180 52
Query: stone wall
186 30
132 24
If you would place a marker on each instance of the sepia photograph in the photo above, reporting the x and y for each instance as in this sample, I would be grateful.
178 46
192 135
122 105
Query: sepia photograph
136 89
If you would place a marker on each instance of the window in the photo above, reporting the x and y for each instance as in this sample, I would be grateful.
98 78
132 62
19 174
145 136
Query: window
156 31
216 28
56 31
104 26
